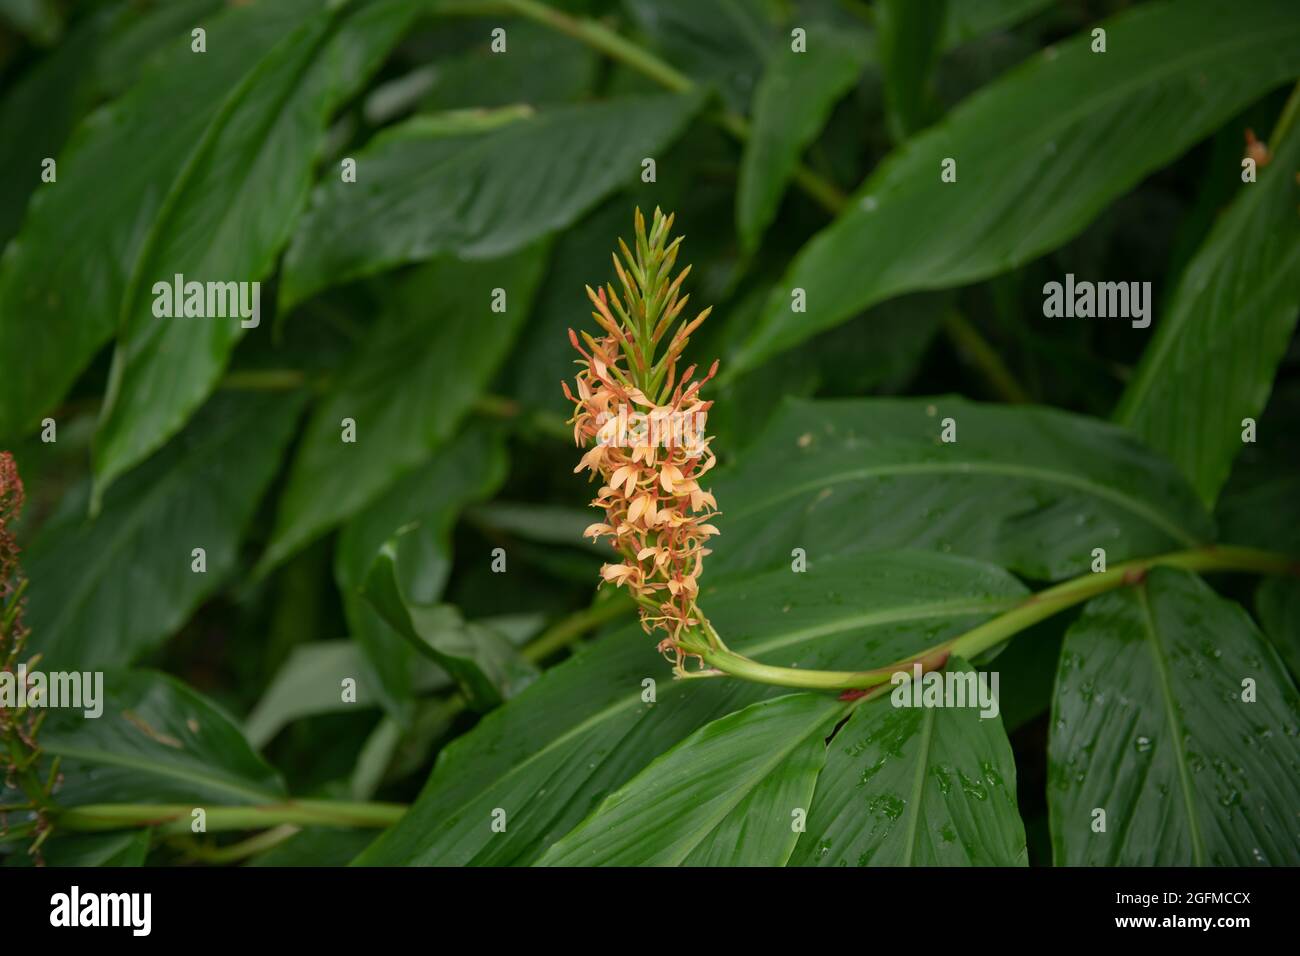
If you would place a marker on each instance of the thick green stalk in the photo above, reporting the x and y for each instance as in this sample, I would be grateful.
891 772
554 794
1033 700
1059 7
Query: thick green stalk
258 843
176 818
1035 608
968 340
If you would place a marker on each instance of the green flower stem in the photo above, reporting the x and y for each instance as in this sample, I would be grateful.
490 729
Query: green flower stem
599 37
259 843
975 347
1035 608
264 380
564 632
176 818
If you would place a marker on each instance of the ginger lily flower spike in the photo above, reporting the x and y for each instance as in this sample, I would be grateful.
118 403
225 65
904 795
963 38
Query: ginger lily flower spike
645 424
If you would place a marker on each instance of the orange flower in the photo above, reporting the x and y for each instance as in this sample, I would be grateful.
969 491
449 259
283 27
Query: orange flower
646 425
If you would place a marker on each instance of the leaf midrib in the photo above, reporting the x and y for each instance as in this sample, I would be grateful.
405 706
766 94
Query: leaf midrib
171 771
1177 731
918 784
999 469
742 789
1102 101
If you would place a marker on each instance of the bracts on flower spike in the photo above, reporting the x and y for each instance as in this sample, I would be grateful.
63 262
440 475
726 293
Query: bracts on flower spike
644 423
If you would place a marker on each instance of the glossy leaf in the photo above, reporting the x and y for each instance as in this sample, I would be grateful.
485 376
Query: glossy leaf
1031 489
67 272
533 176
728 795
311 682
792 103
550 756
108 589
407 390
1032 170
916 786
37 113
483 662
1151 724
1216 349
910 32
469 468
228 214
157 741
542 67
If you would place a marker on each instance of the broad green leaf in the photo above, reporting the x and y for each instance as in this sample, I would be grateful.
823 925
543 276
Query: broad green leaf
143 34
311 682
373 760
227 215
531 177
720 43
550 756
792 103
1176 718
38 111
483 662
469 468
63 279
910 35
108 589
541 66
121 848
1277 605
916 786
1039 152
157 741
416 376
99 58
1031 489
1218 345
728 795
